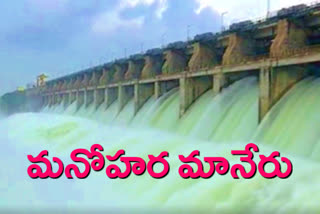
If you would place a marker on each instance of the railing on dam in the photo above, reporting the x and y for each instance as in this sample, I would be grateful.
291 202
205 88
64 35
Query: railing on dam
295 57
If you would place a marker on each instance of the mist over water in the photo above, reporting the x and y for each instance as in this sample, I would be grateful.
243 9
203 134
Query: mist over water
213 125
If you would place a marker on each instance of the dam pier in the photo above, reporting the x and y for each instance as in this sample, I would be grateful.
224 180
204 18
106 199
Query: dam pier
279 51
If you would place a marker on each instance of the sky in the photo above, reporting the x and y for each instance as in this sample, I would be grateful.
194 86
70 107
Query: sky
58 37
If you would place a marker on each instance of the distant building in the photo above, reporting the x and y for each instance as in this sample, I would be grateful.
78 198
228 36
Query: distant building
41 80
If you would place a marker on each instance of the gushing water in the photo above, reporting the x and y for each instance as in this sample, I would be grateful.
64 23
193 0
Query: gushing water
213 125
294 123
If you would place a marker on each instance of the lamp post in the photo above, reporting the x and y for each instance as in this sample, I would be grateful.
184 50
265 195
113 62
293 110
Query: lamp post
222 16
188 32
268 8
162 40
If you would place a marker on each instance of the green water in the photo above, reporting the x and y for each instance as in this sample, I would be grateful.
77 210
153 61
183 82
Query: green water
213 125
294 123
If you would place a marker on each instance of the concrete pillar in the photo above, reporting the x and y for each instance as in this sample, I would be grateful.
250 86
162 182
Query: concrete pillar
142 92
120 70
289 38
78 83
60 98
125 93
57 96
107 76
265 98
73 97
111 95
64 85
94 81
103 79
135 67
55 99
47 100
240 49
98 97
66 100
85 81
152 66
70 83
203 57
89 97
175 61
80 98
185 90
274 83
219 82
190 89
50 101
157 89
59 85
55 86
85 97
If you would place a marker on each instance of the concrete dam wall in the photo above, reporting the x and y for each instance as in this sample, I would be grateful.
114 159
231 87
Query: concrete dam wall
279 51
257 82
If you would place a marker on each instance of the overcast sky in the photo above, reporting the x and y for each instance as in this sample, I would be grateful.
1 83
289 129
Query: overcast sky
58 37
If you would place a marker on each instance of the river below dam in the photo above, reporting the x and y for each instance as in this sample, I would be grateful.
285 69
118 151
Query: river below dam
213 125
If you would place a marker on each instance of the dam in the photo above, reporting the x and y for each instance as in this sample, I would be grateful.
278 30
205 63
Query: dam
256 82
278 51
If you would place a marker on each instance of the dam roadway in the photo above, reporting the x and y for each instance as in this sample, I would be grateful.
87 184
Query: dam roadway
279 51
